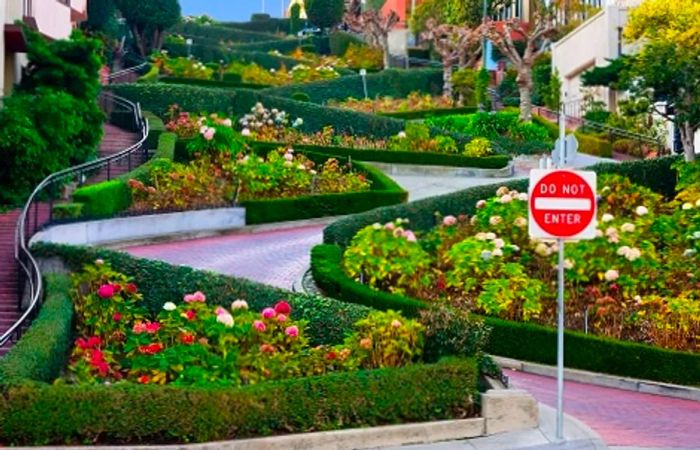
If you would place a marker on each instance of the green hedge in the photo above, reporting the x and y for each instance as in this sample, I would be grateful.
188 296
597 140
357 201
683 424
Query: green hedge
41 354
286 46
135 414
156 127
400 157
211 83
397 83
426 113
103 199
383 192
220 33
591 145
339 41
157 97
272 25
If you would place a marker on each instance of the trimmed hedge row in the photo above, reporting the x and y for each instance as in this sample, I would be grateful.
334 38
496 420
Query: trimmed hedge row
157 97
272 25
210 83
591 145
156 127
108 198
400 157
655 174
282 46
426 113
396 83
384 191
525 341
220 33
34 412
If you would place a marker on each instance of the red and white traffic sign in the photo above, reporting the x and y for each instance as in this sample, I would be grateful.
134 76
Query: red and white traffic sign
562 204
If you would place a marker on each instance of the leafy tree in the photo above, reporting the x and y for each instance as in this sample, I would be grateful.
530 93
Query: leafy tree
294 20
481 94
536 38
613 75
375 4
324 13
101 17
552 97
148 20
452 12
666 68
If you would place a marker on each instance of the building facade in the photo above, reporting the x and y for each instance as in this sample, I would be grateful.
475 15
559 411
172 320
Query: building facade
55 19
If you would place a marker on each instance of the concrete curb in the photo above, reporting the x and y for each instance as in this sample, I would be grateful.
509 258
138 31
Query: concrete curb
444 171
359 438
599 379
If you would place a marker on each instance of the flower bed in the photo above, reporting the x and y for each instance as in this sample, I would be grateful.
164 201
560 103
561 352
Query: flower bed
506 275
416 101
35 412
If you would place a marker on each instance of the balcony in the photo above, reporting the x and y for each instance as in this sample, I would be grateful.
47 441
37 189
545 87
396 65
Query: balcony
52 18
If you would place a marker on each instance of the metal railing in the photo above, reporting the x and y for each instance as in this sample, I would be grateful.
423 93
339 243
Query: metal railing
30 219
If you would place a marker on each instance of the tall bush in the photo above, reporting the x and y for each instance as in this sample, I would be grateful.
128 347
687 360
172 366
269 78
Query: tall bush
324 13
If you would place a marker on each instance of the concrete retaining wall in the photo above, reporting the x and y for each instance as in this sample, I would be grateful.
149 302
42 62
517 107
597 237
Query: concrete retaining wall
134 228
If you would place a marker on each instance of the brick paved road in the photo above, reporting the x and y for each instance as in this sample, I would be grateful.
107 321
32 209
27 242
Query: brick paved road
622 418
278 258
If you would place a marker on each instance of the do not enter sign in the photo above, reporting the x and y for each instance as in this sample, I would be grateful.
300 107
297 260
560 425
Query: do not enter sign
562 204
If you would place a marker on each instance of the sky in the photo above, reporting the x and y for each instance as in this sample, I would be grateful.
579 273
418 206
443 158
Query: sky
232 10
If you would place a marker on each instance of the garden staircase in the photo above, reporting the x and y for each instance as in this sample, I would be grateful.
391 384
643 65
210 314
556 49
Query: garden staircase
114 141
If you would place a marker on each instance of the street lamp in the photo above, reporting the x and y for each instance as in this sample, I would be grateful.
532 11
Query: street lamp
189 47
363 74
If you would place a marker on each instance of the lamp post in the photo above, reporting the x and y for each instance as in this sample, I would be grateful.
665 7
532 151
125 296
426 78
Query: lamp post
363 74
189 47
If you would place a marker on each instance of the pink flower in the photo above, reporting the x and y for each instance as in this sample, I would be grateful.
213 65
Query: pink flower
106 291
219 311
225 318
209 134
268 313
449 221
389 226
292 331
152 327
197 297
139 327
267 348
259 325
410 236
117 317
281 318
282 307
395 323
288 156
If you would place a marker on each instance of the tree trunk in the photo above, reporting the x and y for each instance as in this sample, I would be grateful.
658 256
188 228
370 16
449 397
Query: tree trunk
525 84
447 79
138 36
688 140
385 48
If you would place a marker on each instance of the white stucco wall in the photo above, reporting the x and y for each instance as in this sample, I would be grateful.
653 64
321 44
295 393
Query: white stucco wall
53 18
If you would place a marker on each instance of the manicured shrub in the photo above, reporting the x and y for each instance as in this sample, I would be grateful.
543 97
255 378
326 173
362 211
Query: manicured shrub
156 127
103 199
220 33
273 25
428 113
301 97
232 78
211 83
67 210
593 145
285 46
340 40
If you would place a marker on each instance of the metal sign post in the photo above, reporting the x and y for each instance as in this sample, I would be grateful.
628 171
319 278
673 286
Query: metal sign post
562 206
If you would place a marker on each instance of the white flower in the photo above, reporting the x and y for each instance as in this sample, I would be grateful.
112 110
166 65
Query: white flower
490 236
495 220
227 122
203 129
502 191
169 306
506 199
301 167
497 252
612 275
568 264
689 253
627 227
514 247
598 233
288 156
480 236
298 122
542 249
225 318
486 255
499 243
401 135
608 218
239 304
641 210
695 235
313 172
687 206
522 197
480 204
377 226
520 222
638 299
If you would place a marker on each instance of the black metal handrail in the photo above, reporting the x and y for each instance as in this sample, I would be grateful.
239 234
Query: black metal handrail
29 269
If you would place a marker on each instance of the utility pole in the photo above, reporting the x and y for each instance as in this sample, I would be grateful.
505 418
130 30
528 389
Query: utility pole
263 6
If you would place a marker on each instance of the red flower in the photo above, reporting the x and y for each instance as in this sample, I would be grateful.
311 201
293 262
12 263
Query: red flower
283 307
331 355
94 341
131 288
267 348
106 291
81 343
152 327
151 349
441 284
117 317
187 338
117 288
143 379
190 315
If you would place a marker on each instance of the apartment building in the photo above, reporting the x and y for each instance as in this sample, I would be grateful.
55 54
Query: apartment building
55 19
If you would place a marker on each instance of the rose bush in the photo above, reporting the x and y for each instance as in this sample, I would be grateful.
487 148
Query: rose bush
192 342
638 280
